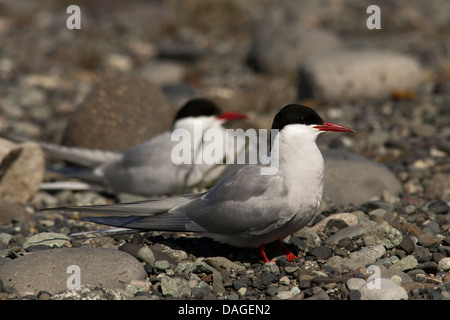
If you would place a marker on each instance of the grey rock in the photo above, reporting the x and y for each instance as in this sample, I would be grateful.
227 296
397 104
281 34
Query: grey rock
217 284
369 253
50 239
421 254
162 265
279 47
284 295
222 263
408 245
104 119
355 283
165 252
389 273
310 236
438 206
90 293
387 290
366 256
5 238
387 235
407 263
444 264
22 166
146 254
10 212
353 179
321 252
47 270
161 72
349 232
357 74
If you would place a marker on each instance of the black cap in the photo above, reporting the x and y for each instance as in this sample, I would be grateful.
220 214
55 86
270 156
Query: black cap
296 114
198 107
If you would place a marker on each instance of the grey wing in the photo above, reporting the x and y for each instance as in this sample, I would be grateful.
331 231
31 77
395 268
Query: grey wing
145 169
245 202
142 215
140 208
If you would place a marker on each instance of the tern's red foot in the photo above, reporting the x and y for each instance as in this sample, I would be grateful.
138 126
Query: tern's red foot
263 253
289 255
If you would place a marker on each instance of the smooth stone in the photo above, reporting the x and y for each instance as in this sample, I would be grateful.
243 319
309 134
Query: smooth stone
22 169
220 263
284 295
354 179
408 245
349 232
162 72
444 264
50 239
362 258
278 47
355 283
387 235
407 263
350 75
388 290
350 219
438 206
10 212
322 252
47 270
117 104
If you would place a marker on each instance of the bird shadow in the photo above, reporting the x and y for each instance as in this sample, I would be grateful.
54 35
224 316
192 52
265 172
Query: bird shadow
204 247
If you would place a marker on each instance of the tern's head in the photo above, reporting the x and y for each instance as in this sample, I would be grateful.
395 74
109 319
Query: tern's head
298 117
204 110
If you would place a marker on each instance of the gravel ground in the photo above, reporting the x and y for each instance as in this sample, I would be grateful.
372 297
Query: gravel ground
399 244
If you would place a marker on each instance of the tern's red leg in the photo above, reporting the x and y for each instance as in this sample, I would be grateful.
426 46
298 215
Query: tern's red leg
287 252
263 253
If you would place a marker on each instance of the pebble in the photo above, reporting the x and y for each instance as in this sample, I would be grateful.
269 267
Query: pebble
278 48
101 119
355 283
48 239
438 206
348 218
444 264
407 263
357 259
321 252
374 74
48 270
176 287
421 254
387 235
428 240
387 290
23 175
369 178
284 295
408 245
349 232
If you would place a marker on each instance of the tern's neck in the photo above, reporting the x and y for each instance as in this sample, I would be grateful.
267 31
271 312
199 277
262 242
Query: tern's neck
298 155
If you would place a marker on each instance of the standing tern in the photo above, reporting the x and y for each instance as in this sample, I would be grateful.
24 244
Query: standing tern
245 209
147 169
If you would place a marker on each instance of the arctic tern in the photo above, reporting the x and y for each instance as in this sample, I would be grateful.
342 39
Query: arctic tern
245 209
147 169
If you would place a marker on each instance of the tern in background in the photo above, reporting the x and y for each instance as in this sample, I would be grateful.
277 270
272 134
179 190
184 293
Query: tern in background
147 169
245 209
